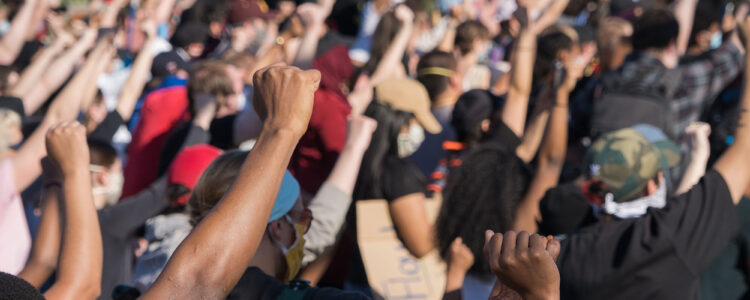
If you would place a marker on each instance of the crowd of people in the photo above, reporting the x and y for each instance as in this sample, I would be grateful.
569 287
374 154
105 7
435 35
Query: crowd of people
208 149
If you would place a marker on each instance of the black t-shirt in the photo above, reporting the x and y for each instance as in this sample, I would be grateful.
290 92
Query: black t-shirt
106 130
400 178
657 256
255 284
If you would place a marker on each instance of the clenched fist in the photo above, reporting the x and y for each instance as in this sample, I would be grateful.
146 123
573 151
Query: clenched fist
67 147
283 97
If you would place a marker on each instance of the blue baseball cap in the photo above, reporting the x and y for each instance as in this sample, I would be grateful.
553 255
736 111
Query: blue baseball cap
288 195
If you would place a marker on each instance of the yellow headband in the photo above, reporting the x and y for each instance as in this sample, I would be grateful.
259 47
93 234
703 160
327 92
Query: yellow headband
435 71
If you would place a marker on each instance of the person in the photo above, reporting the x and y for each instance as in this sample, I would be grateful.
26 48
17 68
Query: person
165 231
189 43
80 251
682 238
283 97
683 90
612 42
437 71
473 45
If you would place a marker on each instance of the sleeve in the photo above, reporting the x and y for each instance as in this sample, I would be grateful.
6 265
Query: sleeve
705 78
329 208
107 129
125 217
400 178
701 221
222 132
185 135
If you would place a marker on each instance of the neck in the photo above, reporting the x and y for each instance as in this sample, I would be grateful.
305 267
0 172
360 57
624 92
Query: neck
265 258
446 98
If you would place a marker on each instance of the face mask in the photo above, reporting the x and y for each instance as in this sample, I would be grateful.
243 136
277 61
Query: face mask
294 254
113 190
409 142
635 208
716 40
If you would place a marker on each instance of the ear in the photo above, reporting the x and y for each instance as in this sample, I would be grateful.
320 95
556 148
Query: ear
653 185
274 228
102 178
485 125
454 80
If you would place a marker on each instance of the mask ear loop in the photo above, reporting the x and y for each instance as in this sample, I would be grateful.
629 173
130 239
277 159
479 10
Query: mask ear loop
285 249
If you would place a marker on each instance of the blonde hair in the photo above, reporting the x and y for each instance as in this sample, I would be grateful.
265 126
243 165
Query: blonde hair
213 183
8 119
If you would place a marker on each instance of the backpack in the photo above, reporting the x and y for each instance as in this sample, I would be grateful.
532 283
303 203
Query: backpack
623 105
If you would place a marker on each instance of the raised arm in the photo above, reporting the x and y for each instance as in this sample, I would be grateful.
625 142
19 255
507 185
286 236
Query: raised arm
80 272
59 71
700 150
734 165
46 249
313 16
551 156
684 12
64 107
29 79
210 261
330 205
12 42
138 74
392 58
522 68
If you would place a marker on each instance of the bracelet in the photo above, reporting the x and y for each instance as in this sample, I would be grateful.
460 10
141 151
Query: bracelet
52 182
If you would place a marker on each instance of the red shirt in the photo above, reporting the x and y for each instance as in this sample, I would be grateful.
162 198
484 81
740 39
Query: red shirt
162 110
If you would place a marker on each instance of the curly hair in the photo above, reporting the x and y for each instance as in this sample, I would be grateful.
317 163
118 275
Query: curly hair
481 194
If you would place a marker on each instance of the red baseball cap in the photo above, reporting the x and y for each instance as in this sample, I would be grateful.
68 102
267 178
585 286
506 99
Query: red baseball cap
188 166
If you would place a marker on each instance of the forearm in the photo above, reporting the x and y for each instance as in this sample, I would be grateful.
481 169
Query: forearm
330 206
555 141
454 281
163 11
344 173
67 104
90 87
209 264
532 138
43 259
80 269
308 46
12 42
137 79
517 102
684 12
695 170
29 79
393 55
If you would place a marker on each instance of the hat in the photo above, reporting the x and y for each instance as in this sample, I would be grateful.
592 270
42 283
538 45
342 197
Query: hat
470 110
244 10
288 195
14 104
188 166
168 63
410 96
625 160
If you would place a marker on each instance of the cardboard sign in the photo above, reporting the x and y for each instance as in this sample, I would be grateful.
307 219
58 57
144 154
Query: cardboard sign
393 273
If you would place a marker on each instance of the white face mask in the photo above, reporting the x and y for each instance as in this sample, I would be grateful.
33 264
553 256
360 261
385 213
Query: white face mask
635 208
113 190
409 142
716 39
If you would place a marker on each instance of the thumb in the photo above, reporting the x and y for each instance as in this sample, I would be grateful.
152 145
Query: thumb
553 248
314 76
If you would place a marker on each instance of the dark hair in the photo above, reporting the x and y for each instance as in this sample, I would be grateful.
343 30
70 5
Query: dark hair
390 122
656 28
190 33
548 47
706 14
381 40
101 153
5 72
176 190
481 194
467 32
435 84
12 287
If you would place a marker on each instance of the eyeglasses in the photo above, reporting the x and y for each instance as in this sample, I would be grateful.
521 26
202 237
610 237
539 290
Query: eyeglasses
304 218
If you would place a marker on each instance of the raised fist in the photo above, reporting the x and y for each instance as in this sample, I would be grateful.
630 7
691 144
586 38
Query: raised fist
283 97
67 147
359 131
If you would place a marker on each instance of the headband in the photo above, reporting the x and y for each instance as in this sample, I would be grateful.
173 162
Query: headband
435 71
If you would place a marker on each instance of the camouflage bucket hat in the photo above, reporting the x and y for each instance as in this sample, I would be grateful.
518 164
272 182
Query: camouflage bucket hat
625 160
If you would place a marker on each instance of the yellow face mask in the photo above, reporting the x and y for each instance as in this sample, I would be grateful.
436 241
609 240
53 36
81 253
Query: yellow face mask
295 253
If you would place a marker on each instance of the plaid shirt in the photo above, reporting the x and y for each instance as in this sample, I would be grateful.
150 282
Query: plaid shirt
691 86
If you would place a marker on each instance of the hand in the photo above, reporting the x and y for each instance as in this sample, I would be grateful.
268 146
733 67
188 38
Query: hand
312 14
573 72
149 28
404 14
283 97
744 27
360 98
55 22
460 257
89 37
525 263
359 131
63 40
697 133
67 148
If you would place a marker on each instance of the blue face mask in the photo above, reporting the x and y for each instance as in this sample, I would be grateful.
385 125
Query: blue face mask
716 40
